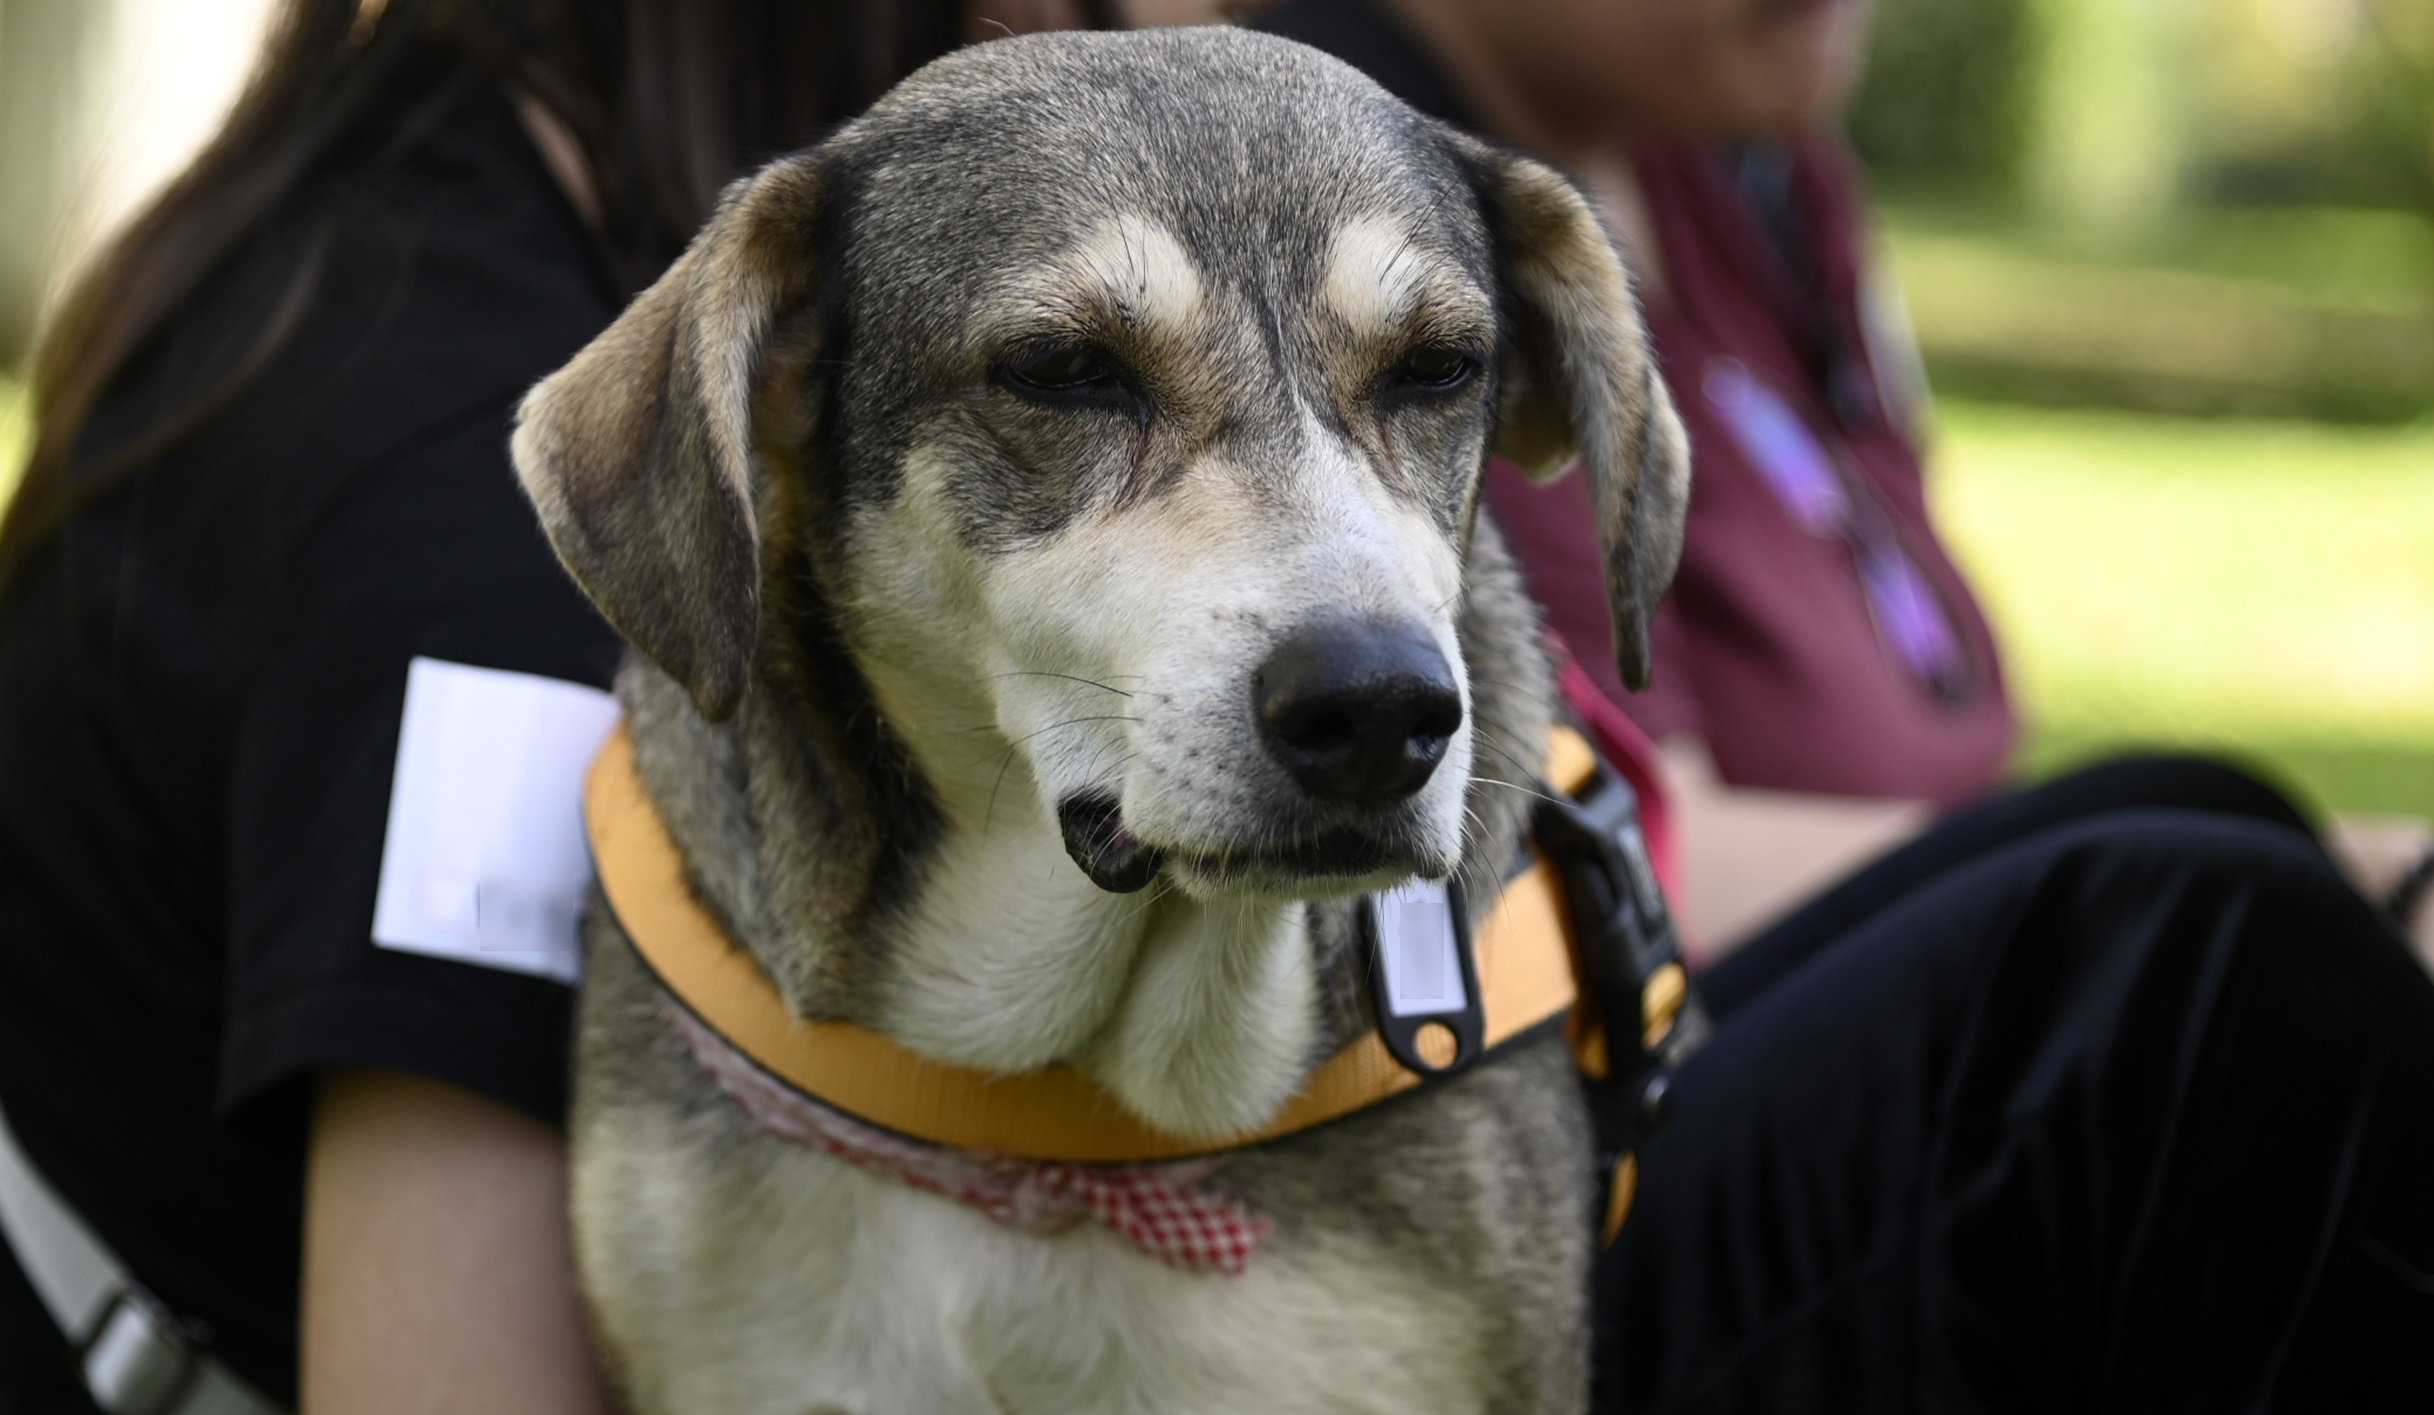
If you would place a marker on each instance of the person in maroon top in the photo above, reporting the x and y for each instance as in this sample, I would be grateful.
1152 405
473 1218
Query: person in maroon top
1818 637
2107 1093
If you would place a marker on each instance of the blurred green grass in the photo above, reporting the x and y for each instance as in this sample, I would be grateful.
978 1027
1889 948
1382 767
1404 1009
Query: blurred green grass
2259 587
2336 257
2316 312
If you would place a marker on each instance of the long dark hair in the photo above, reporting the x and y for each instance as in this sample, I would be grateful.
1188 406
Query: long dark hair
668 99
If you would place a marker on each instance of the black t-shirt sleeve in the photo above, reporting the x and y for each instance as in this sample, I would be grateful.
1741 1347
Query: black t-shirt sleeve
431 551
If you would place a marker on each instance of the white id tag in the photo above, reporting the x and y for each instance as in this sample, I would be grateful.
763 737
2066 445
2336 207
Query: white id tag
1424 982
1417 949
485 860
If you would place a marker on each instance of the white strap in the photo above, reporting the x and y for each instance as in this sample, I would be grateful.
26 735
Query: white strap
67 1264
137 1360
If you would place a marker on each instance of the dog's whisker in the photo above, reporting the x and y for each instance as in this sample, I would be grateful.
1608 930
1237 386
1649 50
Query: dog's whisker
1004 751
989 814
1528 782
1068 677
1149 899
1101 755
1519 789
1069 722
1527 786
1507 684
1488 740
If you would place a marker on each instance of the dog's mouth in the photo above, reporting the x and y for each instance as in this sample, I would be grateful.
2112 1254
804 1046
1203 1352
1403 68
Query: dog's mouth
1113 857
1120 863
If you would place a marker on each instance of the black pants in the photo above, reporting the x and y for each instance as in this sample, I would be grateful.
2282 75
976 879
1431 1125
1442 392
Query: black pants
2108 1096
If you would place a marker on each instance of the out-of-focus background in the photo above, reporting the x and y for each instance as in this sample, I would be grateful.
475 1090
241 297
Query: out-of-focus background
2171 263
101 101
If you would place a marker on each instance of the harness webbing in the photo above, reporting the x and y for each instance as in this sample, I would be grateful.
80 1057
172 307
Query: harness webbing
1525 968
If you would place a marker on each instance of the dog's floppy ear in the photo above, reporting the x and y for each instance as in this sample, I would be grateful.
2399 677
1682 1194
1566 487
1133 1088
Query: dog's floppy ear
1582 381
639 456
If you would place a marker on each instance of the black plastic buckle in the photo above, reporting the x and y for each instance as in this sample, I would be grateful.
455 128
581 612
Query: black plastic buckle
1625 936
1423 974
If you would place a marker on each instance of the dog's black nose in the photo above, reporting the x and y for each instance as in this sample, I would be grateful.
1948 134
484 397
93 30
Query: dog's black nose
1357 712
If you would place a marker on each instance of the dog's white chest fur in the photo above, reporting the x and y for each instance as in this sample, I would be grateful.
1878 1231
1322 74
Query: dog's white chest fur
785 1282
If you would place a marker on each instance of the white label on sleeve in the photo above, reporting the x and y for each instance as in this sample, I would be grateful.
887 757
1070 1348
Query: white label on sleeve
485 860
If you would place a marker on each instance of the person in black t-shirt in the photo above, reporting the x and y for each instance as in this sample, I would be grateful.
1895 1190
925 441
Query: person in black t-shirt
272 612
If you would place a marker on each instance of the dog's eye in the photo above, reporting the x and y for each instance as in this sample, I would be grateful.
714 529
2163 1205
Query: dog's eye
1435 369
1069 369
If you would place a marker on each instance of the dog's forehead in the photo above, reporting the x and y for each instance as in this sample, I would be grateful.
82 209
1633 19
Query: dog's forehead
1187 156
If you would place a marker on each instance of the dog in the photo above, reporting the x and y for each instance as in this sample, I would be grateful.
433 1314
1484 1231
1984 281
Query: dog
1047 515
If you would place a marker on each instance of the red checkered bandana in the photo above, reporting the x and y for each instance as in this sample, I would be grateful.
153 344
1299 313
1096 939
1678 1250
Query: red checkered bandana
1156 1207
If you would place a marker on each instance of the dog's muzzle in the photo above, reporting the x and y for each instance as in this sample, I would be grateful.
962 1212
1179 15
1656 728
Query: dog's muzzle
1357 714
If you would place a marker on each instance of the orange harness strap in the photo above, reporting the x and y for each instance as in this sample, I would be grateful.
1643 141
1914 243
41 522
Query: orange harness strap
1524 952
1057 1113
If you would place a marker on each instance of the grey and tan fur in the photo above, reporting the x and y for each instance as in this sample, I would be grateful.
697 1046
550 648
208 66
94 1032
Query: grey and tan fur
969 467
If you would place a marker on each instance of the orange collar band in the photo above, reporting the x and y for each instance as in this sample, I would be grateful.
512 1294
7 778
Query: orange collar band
1057 1113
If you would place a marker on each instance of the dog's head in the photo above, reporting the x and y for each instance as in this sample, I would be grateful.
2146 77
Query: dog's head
1118 404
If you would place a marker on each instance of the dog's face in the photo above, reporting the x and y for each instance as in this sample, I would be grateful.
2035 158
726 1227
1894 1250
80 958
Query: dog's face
1184 463
1118 403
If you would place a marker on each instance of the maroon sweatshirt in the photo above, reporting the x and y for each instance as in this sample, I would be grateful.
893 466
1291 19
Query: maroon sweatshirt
1818 637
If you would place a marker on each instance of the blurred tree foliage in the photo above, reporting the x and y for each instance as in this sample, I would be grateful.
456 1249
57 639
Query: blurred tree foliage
1951 85
2280 102
2318 101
